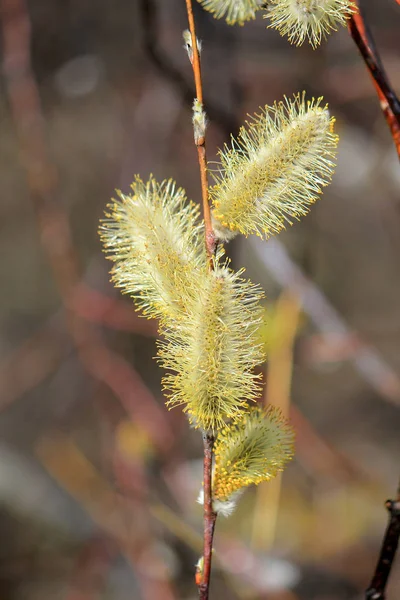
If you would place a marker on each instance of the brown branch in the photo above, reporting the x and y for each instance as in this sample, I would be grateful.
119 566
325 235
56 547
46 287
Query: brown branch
389 102
376 590
200 141
203 575
209 517
225 119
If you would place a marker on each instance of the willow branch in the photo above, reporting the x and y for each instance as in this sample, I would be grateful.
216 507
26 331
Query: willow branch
204 571
200 140
209 517
376 590
389 102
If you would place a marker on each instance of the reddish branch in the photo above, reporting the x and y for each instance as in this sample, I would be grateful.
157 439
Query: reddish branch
389 102
203 576
390 105
200 142
209 517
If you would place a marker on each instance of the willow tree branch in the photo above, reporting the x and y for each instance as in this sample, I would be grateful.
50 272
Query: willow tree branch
226 120
200 140
209 517
376 590
388 99
204 570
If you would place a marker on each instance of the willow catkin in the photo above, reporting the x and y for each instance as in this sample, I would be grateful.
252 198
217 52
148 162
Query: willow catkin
310 20
233 11
211 355
254 449
275 169
154 238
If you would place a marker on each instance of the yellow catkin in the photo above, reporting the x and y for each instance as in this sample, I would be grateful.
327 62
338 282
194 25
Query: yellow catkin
310 20
254 449
211 355
233 11
154 238
275 169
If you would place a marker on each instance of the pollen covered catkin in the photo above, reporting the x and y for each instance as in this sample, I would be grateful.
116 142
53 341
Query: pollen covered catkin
275 169
250 451
154 238
234 11
308 19
213 353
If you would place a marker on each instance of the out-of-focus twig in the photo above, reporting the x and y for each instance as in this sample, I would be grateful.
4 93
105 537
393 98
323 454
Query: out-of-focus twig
39 356
277 393
53 224
376 590
111 511
389 102
109 312
91 571
366 360
33 361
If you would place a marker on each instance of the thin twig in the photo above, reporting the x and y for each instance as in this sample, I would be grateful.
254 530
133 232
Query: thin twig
389 102
376 590
209 516
164 64
200 141
203 579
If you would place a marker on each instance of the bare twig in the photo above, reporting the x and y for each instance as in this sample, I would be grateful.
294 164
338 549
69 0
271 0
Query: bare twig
200 140
389 102
209 517
166 68
210 241
376 590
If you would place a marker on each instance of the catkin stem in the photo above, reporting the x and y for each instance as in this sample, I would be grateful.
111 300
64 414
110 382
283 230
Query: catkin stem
200 142
210 241
209 516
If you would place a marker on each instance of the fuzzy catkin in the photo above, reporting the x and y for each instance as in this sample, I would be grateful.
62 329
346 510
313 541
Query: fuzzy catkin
154 238
250 451
233 11
275 169
308 19
211 356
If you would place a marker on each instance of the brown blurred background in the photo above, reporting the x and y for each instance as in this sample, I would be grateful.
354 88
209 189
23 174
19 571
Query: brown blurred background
98 481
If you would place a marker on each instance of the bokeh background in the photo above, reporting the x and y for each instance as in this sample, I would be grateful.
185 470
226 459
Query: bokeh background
98 481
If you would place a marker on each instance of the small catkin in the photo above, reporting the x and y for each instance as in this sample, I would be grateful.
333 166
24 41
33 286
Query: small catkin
233 11
154 238
250 451
213 353
308 19
275 170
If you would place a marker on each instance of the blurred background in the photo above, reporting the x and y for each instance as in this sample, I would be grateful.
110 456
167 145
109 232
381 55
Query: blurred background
98 481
